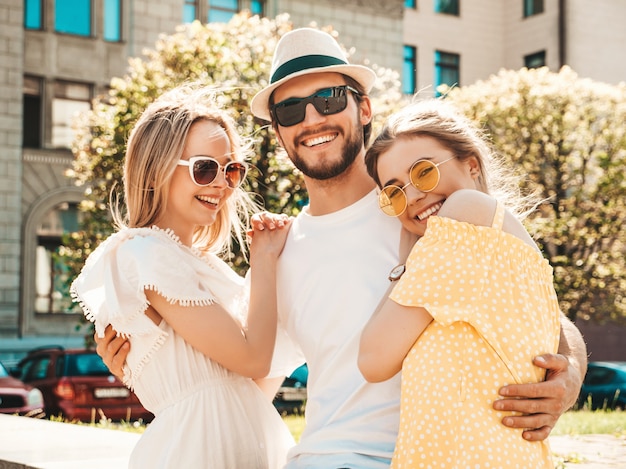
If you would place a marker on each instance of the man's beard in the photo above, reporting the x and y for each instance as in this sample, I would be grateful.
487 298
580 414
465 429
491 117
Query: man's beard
350 151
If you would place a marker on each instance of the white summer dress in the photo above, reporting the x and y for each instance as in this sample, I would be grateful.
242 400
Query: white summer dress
205 415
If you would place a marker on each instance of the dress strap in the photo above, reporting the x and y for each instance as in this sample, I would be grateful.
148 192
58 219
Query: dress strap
498 218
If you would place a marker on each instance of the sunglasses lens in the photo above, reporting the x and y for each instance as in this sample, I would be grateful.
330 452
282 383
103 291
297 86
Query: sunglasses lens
330 100
392 200
205 171
290 112
235 174
424 175
327 101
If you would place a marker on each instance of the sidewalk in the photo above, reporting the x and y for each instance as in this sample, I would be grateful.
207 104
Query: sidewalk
27 443
590 451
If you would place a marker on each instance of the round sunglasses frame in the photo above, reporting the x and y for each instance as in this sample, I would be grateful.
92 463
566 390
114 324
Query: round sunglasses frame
385 200
194 159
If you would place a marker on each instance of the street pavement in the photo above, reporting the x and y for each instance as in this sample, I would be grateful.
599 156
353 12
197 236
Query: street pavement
589 451
27 443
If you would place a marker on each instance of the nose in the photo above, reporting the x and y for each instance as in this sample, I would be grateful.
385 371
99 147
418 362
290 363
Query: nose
311 116
413 194
220 179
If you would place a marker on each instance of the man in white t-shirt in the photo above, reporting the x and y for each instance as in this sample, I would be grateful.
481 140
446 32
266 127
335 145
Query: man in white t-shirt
335 266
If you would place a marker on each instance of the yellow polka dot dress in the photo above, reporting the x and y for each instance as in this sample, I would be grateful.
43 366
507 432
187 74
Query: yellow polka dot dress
494 307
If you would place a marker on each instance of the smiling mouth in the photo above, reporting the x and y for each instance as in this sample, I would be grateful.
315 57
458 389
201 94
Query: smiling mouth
319 140
429 211
208 200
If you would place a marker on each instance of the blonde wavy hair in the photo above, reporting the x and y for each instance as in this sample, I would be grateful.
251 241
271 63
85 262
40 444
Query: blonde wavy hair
440 120
154 147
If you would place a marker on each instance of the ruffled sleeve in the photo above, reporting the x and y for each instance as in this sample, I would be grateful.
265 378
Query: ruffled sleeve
111 287
445 271
487 278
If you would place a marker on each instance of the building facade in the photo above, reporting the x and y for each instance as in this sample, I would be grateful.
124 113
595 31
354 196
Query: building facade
57 56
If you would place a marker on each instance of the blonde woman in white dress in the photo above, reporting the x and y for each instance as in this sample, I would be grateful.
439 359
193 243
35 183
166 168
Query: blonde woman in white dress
198 338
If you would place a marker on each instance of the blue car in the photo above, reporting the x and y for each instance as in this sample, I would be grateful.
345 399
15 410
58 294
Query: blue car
604 386
291 397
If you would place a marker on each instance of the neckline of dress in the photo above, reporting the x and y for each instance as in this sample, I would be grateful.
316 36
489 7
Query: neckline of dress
169 233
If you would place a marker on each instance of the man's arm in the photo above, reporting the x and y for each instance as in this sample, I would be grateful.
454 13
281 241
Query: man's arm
543 403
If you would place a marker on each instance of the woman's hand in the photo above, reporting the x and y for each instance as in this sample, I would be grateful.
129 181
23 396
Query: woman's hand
268 234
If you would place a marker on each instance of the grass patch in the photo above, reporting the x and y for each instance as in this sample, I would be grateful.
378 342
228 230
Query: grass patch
574 422
585 422
295 422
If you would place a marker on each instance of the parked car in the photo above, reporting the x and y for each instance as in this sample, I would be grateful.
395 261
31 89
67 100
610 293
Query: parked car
17 397
291 396
604 386
77 385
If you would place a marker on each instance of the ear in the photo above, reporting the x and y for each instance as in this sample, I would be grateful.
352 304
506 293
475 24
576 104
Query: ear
277 132
474 166
365 110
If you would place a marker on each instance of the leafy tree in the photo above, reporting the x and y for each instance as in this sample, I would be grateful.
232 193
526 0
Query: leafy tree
236 58
568 139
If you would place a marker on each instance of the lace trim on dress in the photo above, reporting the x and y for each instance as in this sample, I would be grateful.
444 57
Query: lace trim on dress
110 288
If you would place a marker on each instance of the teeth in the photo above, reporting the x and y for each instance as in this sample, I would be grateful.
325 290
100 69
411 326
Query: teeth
429 211
210 200
319 140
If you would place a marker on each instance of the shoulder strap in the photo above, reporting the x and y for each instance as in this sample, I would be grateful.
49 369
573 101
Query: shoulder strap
498 218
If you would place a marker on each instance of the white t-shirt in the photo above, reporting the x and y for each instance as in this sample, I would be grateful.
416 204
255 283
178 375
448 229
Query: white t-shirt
331 276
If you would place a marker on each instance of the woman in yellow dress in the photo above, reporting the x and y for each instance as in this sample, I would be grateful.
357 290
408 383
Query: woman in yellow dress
475 303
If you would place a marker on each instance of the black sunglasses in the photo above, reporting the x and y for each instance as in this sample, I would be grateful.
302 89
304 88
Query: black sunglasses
204 169
327 101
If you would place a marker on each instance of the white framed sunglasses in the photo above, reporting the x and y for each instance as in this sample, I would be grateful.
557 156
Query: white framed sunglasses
204 169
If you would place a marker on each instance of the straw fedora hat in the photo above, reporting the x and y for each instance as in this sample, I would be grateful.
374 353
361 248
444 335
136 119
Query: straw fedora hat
304 51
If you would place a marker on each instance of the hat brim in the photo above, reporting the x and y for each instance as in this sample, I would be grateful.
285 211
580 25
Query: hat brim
363 75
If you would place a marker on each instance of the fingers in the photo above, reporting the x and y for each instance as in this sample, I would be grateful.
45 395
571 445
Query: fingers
103 342
113 350
119 358
536 427
267 220
540 404
530 422
536 422
551 362
538 434
546 405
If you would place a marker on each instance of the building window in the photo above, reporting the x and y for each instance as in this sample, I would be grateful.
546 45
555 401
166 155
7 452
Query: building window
446 69
256 7
70 99
409 70
52 275
112 20
190 11
449 7
532 7
31 116
73 17
33 14
536 60
410 4
221 11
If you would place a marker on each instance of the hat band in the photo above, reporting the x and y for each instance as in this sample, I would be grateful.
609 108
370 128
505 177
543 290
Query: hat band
304 63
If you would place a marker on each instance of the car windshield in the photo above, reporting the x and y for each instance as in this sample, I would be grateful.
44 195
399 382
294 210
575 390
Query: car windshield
86 364
3 371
